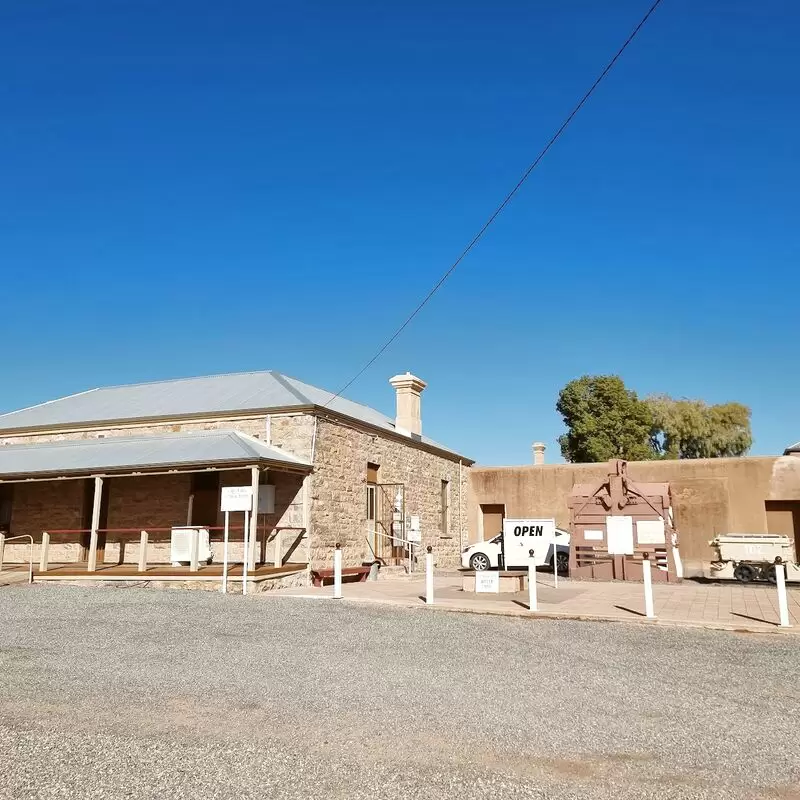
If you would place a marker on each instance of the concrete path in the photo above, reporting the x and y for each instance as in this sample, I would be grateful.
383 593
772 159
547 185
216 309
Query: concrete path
713 605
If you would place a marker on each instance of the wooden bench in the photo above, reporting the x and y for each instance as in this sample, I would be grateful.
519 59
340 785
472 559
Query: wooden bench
319 576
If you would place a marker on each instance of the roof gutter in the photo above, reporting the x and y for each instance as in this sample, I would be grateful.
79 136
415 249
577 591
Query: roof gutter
137 470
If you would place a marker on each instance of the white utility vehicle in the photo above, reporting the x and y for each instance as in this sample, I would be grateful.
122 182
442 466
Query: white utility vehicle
511 548
748 557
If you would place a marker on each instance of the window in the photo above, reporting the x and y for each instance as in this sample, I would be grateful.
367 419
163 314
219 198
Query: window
372 491
445 523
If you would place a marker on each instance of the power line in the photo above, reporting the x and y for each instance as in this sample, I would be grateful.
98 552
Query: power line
525 175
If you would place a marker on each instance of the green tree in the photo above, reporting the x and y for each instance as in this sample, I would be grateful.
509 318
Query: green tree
604 420
693 429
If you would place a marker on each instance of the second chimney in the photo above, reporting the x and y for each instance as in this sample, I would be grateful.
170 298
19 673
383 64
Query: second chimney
538 452
409 390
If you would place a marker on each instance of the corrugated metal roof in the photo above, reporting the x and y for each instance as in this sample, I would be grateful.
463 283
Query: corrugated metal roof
115 453
215 394
794 448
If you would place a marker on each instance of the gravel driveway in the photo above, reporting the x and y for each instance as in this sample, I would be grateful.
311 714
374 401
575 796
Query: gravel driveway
169 694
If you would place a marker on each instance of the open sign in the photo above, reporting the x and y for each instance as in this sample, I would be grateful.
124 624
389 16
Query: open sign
520 536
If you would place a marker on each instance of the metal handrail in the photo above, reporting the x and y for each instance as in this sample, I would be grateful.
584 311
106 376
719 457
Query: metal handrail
30 566
402 543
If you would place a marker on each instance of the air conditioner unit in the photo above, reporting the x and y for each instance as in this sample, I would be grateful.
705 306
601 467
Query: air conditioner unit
181 545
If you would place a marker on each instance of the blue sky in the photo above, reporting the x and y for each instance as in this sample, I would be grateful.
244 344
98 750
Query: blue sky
194 188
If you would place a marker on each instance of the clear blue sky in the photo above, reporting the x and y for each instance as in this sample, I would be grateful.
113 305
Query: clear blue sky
191 188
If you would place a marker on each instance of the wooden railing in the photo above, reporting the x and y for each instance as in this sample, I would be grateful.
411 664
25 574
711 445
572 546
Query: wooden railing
144 537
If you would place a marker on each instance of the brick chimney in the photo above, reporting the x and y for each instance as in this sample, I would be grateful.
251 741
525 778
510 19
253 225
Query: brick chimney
538 453
409 390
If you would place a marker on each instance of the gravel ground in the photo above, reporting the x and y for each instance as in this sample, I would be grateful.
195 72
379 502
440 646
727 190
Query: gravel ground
169 694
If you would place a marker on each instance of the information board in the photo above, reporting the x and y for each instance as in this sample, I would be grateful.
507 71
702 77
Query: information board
236 498
487 581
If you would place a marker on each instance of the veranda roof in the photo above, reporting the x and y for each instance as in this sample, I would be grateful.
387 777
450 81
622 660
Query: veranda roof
141 453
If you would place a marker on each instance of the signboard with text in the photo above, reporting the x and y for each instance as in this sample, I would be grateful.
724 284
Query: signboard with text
237 498
487 581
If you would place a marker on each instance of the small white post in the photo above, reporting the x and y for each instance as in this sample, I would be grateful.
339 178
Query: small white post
2 549
648 587
45 552
429 577
533 602
555 564
246 558
278 561
337 572
194 550
225 553
143 551
783 605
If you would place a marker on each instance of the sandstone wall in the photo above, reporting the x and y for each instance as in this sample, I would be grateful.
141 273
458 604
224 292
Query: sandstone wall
291 431
339 501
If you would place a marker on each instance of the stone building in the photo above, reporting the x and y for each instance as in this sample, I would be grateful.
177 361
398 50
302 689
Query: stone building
84 475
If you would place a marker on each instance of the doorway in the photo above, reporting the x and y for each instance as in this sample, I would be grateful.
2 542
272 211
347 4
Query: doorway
492 516
783 519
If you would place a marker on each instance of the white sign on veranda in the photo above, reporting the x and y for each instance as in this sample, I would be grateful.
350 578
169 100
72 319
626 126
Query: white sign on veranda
237 498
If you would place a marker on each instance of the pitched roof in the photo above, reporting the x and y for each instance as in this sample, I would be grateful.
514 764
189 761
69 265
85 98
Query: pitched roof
120 453
794 448
185 397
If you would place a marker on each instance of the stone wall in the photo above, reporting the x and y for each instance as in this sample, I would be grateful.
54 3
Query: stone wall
339 500
290 431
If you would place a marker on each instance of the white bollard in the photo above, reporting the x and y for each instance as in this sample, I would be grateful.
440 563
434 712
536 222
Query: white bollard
533 603
429 577
783 605
648 587
555 564
337 572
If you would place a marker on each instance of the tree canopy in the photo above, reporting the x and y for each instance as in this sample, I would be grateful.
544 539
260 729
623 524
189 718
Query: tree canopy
606 420
693 429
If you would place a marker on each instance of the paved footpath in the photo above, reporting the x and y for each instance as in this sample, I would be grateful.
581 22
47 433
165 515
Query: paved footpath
699 604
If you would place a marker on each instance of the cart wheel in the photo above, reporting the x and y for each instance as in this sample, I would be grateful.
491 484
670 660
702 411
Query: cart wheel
744 573
771 575
479 562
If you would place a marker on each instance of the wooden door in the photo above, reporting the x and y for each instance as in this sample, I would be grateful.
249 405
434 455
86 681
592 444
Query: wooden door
783 519
492 516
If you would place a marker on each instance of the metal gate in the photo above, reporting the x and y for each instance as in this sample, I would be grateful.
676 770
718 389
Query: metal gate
387 533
